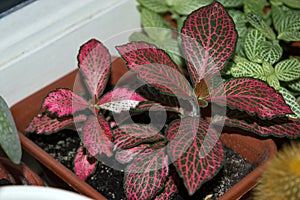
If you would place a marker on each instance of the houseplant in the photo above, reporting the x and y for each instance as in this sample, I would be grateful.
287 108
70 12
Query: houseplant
12 171
103 125
273 24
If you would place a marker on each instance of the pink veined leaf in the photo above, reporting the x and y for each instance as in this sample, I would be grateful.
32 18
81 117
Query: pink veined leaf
83 165
276 127
252 96
131 135
96 136
165 79
153 106
195 150
119 94
209 38
127 155
43 124
63 102
141 53
169 190
146 175
94 62
120 99
153 66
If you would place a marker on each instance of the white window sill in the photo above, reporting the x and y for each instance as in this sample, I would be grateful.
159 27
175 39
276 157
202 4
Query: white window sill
39 43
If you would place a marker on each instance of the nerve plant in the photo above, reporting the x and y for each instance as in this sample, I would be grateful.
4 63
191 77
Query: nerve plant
188 144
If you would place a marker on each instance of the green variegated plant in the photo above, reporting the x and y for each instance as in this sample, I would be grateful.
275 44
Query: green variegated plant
265 57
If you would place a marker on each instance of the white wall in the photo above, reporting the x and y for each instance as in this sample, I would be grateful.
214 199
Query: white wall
39 43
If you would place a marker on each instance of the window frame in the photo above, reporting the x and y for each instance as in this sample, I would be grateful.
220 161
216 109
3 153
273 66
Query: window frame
35 51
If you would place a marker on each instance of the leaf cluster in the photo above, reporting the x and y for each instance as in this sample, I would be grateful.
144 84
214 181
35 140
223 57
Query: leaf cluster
186 148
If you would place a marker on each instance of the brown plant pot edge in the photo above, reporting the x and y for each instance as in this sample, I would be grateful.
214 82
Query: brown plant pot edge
19 174
254 150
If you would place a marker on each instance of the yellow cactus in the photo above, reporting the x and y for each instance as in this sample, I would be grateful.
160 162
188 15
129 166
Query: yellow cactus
281 179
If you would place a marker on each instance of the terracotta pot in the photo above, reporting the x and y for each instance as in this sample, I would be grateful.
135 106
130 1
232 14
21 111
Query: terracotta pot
18 174
254 150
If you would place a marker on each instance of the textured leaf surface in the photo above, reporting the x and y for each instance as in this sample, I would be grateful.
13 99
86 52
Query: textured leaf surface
291 101
141 53
257 22
248 69
63 102
96 136
120 99
253 41
270 53
209 39
289 36
288 70
156 68
127 155
276 127
94 62
252 96
196 151
146 175
131 135
44 124
9 138
83 166
295 85
169 190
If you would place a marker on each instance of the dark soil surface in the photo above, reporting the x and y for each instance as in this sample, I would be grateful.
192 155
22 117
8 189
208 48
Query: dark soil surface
109 182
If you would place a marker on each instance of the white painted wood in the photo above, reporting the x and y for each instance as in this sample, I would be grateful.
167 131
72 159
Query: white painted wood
39 43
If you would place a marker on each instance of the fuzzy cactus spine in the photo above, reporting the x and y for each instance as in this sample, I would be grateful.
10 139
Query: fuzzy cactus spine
281 179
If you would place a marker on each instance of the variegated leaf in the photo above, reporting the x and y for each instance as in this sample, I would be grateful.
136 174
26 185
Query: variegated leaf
63 102
252 96
131 135
273 81
119 106
289 36
248 69
96 136
94 62
121 94
146 175
270 52
169 190
159 6
288 70
295 85
195 150
141 53
278 18
44 124
291 101
257 22
253 41
83 166
9 138
127 155
209 38
276 127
